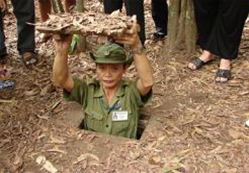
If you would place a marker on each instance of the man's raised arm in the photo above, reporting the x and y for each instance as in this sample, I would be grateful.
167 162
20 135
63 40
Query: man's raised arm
61 74
142 64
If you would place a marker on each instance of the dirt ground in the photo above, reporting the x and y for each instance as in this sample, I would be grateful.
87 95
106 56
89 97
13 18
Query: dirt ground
196 125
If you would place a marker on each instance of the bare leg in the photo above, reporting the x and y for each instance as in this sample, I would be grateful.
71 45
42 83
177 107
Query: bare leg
68 4
44 10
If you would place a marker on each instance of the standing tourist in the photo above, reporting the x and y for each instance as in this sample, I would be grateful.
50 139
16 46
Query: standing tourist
220 25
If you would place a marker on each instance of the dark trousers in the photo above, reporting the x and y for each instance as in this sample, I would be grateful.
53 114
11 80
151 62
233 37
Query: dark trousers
133 7
220 25
2 36
160 15
24 12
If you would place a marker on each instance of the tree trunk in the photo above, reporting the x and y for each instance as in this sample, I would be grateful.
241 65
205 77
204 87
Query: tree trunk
190 27
81 42
57 6
173 23
181 26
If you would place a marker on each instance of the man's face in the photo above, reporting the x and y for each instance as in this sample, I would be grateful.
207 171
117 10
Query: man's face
110 74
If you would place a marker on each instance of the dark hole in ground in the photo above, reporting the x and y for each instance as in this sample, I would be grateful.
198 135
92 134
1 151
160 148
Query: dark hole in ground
142 123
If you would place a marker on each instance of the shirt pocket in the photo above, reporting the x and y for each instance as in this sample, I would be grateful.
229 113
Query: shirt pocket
94 120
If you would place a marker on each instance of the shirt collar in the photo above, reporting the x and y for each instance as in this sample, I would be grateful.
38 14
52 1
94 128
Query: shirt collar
120 92
99 92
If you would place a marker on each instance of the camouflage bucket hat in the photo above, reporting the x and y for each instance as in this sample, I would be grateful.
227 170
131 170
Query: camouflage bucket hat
111 53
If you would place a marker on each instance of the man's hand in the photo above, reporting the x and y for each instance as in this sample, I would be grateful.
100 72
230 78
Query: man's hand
130 37
3 5
62 43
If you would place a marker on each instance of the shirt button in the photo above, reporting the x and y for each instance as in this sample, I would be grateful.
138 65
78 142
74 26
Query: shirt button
107 126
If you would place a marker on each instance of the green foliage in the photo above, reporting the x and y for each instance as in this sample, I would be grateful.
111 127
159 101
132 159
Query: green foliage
73 45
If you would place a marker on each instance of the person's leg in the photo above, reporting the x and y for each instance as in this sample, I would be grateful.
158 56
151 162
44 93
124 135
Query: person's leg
205 14
4 70
68 4
24 12
44 10
136 7
112 5
228 29
227 36
3 51
159 9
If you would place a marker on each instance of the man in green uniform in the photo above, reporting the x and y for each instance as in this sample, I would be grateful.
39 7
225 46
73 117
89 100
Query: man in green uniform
111 104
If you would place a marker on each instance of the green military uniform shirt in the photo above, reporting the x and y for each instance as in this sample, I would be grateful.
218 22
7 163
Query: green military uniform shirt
120 118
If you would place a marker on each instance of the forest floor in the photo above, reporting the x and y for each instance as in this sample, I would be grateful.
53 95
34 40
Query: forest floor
195 125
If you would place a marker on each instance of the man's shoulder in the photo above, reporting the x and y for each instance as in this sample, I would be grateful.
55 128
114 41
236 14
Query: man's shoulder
93 82
128 84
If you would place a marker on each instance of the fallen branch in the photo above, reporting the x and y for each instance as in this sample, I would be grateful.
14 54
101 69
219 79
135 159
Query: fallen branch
5 101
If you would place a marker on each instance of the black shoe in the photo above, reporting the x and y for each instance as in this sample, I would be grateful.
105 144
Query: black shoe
158 36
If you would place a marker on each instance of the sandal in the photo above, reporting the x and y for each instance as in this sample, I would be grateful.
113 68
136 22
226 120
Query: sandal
6 89
225 74
4 74
198 63
29 58
7 84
